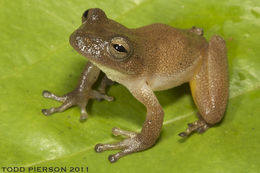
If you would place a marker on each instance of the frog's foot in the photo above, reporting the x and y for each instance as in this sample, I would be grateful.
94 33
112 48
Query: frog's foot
196 30
74 98
131 144
104 84
200 126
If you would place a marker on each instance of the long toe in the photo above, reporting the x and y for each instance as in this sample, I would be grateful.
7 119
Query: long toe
114 157
117 131
61 108
50 95
83 113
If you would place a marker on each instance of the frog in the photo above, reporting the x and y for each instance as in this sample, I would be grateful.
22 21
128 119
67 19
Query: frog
151 58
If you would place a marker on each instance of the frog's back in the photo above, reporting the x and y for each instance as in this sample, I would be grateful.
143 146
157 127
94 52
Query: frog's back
171 55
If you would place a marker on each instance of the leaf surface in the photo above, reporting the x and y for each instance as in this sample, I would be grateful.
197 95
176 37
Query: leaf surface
35 55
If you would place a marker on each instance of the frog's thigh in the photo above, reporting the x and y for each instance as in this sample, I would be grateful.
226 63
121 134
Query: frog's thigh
209 85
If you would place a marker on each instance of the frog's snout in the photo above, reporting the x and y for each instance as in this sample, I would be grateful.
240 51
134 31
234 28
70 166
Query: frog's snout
73 38
77 40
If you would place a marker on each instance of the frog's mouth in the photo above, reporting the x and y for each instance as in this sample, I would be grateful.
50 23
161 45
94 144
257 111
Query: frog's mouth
87 46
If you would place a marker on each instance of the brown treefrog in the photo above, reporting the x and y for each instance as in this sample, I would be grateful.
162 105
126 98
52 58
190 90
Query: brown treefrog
147 59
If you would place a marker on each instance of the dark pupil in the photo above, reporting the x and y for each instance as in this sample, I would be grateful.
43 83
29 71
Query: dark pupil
119 47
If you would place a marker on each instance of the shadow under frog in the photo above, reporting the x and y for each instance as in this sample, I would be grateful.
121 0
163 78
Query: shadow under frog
147 59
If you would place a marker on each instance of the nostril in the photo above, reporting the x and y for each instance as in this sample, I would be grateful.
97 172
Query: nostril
85 14
94 15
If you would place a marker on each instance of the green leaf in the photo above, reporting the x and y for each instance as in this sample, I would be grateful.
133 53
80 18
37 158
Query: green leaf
35 55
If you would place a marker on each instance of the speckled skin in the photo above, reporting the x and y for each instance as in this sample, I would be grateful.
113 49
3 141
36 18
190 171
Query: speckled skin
151 58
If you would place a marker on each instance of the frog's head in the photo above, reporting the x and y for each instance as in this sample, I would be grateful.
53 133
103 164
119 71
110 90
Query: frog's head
105 42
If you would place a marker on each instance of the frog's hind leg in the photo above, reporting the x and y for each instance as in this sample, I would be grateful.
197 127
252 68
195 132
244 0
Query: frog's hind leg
209 87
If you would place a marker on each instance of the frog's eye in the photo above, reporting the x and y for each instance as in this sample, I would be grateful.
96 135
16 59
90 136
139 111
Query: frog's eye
119 48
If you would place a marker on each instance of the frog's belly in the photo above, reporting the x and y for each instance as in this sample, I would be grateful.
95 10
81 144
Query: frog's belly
159 82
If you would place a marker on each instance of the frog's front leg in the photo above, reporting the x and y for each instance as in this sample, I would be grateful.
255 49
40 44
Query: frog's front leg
81 94
150 132
209 87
